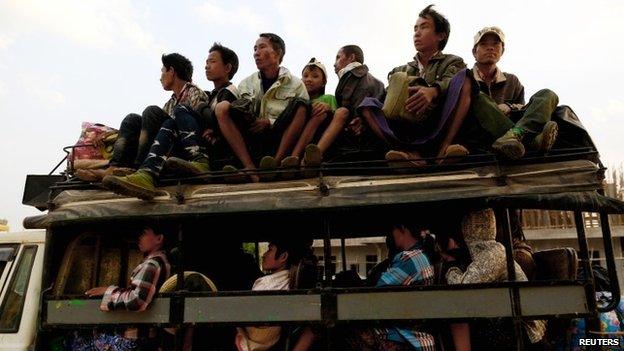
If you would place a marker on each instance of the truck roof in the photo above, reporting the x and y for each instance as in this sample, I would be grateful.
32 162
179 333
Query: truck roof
556 185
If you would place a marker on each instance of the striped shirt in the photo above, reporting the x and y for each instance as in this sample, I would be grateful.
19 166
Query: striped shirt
144 282
409 267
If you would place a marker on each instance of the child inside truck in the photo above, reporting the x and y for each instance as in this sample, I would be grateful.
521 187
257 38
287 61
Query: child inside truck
281 262
145 280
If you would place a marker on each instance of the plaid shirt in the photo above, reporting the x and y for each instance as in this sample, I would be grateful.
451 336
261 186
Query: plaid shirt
191 95
409 267
144 282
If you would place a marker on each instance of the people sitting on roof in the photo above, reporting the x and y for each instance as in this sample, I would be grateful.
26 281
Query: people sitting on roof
355 83
314 77
178 144
221 66
271 113
145 281
413 120
138 132
488 264
409 266
282 263
498 117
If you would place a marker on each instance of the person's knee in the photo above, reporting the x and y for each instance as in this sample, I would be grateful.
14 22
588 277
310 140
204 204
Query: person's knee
342 114
301 109
168 124
548 94
130 121
152 111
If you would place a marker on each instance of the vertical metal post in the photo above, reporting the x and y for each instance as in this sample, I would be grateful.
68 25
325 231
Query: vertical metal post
257 252
503 217
343 254
592 323
608 247
177 300
180 271
327 252
328 299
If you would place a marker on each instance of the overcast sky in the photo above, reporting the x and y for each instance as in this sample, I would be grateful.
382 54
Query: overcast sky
63 62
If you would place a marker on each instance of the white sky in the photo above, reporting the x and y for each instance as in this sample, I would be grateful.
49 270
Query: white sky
63 62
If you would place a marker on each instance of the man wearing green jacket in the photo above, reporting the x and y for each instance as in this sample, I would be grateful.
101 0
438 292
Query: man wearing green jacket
430 74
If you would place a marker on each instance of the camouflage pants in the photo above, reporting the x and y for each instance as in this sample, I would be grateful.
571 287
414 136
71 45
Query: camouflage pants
180 136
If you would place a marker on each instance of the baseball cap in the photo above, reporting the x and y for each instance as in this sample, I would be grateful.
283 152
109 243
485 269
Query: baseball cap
495 30
316 63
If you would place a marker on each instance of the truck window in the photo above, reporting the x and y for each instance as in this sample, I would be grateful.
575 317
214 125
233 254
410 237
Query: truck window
11 310
7 254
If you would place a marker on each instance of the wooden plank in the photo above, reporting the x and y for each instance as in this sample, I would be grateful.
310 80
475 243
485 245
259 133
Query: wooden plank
553 300
82 311
491 302
272 308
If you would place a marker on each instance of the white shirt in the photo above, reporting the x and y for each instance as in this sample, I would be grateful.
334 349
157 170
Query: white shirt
275 281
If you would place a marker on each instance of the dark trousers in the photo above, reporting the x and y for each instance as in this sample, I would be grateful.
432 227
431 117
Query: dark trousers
181 136
136 135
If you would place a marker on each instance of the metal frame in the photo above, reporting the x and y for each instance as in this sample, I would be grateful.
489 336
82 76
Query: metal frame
331 306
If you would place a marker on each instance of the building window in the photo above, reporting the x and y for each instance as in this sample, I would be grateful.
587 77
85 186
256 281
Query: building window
371 261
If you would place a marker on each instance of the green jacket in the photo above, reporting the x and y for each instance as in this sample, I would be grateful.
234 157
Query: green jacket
438 73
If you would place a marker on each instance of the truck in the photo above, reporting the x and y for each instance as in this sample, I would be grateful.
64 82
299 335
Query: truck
90 237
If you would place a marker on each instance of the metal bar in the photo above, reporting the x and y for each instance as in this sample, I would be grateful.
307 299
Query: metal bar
86 311
553 300
58 165
503 216
401 305
248 309
327 252
177 306
592 322
343 254
608 247
180 271
328 312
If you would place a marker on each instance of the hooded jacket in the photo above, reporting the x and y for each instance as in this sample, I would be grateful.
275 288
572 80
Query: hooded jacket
488 261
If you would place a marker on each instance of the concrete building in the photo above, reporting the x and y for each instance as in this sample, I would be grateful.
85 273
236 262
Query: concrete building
4 227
